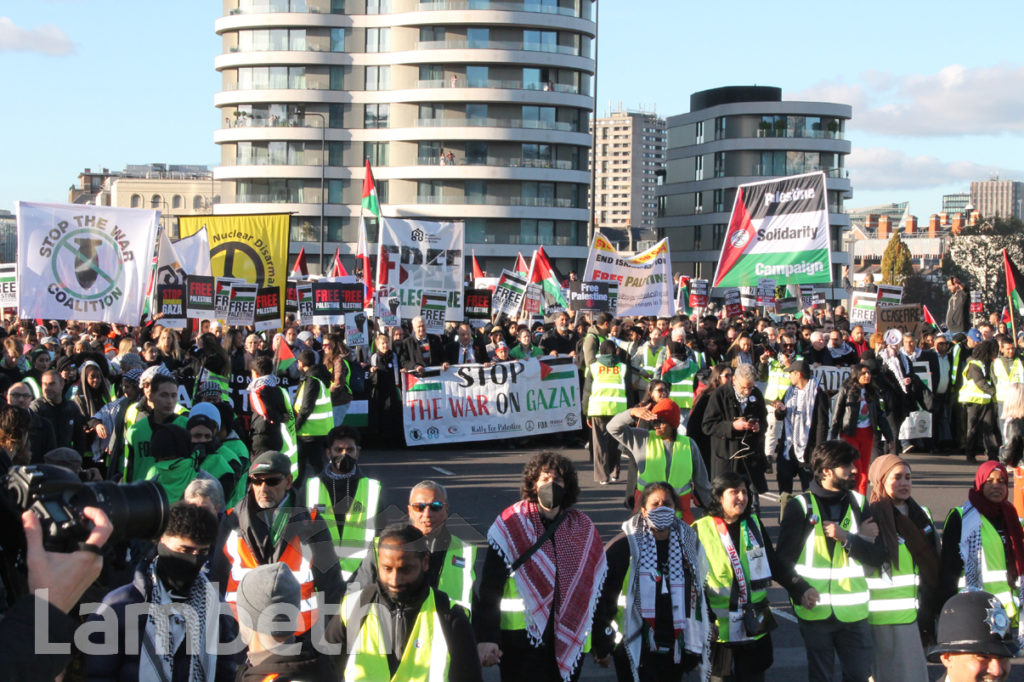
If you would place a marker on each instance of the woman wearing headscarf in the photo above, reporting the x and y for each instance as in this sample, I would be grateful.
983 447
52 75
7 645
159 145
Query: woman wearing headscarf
541 578
656 569
901 610
982 541
740 561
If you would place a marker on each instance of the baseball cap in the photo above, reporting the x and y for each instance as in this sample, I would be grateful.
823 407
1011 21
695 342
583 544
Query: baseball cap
974 335
271 462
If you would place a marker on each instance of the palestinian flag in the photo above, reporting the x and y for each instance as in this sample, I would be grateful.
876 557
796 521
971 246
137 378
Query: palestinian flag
283 357
683 296
338 270
300 267
554 368
928 317
542 272
477 272
521 267
370 202
421 383
1005 317
1014 283
363 258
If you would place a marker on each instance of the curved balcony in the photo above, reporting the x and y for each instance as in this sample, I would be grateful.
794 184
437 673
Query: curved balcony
528 124
509 45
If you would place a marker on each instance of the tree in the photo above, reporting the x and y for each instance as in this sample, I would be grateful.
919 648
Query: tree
897 263
977 253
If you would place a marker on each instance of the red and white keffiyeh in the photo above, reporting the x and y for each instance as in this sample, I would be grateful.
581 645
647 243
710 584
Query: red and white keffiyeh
579 568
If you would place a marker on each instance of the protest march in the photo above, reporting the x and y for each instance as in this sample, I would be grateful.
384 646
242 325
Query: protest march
225 399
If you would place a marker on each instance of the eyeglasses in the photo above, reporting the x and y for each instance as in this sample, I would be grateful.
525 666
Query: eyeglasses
19 395
272 481
434 506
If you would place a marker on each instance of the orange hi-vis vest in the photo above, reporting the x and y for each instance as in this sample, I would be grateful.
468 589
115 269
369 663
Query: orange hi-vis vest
242 561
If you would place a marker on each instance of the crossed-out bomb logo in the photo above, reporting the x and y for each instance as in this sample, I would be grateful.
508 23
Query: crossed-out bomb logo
87 257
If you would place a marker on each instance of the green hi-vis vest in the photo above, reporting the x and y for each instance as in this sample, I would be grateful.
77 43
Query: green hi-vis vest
678 473
969 391
219 379
721 586
131 415
839 579
681 379
607 390
652 360
235 453
137 459
321 419
357 534
289 441
778 379
894 593
457 574
992 562
1003 378
424 659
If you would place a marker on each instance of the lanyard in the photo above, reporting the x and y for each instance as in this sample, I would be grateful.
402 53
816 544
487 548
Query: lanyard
734 557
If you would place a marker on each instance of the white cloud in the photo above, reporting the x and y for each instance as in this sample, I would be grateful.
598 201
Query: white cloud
46 39
955 101
878 168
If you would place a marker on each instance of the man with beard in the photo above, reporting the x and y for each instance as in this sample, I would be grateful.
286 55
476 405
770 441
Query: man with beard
179 647
268 526
826 578
560 340
399 627
348 501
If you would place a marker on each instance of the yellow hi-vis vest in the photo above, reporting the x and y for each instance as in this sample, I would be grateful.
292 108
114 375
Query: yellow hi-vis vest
321 419
131 415
778 379
678 473
894 595
356 536
721 586
969 391
681 379
457 574
424 659
607 390
994 578
1003 378
652 360
839 579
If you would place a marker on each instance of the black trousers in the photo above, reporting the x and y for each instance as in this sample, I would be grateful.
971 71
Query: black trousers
653 667
983 435
522 661
789 468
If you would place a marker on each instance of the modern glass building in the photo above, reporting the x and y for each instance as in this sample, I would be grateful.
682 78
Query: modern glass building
736 135
473 110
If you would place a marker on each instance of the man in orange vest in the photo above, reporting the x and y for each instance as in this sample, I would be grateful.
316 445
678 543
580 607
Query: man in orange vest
270 525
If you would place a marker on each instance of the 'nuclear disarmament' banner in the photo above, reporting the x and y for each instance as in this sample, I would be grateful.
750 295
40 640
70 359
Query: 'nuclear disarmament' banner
645 279
505 400
87 263
778 229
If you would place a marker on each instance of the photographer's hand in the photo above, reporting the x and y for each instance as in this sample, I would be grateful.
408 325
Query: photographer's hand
67 576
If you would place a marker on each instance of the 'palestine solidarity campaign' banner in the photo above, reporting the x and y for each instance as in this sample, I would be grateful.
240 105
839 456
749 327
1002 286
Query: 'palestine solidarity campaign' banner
645 279
87 263
778 229
505 400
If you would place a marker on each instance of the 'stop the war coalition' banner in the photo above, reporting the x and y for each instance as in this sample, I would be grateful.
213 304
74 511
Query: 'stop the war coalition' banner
645 279
778 229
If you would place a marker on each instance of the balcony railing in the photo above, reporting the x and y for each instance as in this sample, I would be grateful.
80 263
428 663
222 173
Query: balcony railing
500 162
496 5
247 121
812 134
531 202
531 124
461 82
498 45
831 172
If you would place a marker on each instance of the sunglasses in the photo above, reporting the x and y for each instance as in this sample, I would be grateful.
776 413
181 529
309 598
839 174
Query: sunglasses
272 481
434 506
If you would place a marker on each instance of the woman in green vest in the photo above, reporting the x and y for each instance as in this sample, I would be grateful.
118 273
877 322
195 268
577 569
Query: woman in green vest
982 541
652 619
740 558
903 593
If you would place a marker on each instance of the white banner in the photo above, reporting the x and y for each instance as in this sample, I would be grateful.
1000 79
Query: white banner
416 256
862 310
831 378
505 400
86 263
644 279
508 295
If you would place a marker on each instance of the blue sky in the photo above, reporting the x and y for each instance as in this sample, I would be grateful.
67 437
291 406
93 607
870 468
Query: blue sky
937 88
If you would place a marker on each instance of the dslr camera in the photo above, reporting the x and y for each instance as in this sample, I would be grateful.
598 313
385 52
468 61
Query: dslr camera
57 496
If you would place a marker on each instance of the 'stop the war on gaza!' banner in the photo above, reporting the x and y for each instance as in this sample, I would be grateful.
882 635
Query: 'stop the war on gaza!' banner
778 229
88 263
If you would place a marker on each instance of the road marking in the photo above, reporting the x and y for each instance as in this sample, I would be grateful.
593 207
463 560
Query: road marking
443 471
771 496
783 615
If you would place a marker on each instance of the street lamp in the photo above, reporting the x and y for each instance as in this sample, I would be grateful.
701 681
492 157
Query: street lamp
323 170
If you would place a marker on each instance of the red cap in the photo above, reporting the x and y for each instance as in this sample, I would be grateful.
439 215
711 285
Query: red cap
667 411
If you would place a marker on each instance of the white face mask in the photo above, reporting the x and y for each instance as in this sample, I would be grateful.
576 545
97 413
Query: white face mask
661 518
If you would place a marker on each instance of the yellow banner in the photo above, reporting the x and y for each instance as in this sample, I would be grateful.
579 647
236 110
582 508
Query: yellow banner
250 247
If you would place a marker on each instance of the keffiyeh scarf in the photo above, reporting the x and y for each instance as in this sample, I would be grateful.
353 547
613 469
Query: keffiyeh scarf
574 565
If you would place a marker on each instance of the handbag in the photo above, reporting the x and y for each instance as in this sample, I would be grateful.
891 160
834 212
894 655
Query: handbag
758 619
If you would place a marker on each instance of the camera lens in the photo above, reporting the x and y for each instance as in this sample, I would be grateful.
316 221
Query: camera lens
136 510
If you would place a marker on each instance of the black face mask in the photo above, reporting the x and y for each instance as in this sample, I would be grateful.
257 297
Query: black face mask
178 570
550 495
343 464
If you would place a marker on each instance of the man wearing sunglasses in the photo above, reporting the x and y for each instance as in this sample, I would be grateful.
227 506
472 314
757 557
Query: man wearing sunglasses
269 525
348 500
451 560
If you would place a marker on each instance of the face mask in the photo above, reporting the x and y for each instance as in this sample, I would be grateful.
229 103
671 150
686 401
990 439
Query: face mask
661 518
343 464
550 495
178 570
